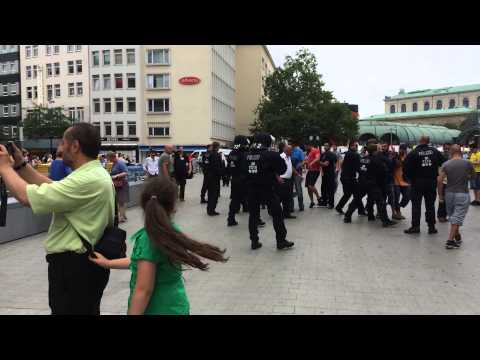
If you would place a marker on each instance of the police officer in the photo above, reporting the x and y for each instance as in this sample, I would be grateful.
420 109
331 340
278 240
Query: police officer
262 168
205 164
328 162
421 169
371 181
348 177
235 163
215 170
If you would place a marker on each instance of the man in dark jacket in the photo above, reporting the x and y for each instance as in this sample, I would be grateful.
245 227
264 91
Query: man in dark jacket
421 169
215 170
204 165
235 163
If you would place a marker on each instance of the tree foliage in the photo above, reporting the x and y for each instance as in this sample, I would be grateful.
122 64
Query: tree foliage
44 123
296 106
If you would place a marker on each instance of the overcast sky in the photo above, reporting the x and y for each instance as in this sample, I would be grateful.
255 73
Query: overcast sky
364 74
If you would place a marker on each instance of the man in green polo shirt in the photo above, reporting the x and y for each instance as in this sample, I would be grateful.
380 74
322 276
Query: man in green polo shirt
82 203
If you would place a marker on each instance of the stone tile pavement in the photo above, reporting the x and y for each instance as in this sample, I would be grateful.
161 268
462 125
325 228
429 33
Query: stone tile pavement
359 268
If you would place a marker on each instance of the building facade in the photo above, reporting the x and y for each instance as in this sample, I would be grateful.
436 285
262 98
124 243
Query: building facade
253 64
10 89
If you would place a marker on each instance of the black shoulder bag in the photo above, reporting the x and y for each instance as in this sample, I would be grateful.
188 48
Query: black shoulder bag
112 244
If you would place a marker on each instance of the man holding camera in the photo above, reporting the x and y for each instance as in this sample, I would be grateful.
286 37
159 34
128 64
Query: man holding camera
82 204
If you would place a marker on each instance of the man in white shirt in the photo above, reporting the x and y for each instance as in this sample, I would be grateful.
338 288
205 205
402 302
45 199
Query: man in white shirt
285 184
150 165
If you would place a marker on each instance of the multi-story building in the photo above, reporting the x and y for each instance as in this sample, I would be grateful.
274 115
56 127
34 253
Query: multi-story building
10 101
116 101
253 64
56 76
450 105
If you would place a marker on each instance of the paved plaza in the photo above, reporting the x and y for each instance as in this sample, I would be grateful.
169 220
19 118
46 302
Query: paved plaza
334 268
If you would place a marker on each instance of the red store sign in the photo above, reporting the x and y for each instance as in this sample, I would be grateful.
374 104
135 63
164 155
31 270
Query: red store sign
189 80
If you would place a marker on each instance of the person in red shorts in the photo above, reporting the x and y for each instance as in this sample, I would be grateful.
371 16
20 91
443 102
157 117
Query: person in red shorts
313 166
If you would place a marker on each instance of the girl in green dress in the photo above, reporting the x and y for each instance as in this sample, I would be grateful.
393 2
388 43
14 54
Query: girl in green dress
160 249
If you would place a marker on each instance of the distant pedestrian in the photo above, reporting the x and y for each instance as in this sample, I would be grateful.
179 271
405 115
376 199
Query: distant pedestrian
328 162
165 163
456 195
150 165
58 170
313 166
401 186
182 168
285 184
475 182
298 160
119 176
442 210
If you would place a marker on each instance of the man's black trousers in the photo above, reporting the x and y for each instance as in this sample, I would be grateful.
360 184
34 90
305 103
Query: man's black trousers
328 189
238 196
423 188
265 195
375 196
75 284
350 188
213 188
203 192
285 194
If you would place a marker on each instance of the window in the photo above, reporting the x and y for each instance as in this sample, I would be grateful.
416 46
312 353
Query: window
71 89
79 89
426 106
119 105
56 49
158 81
71 68
159 131
118 56
108 129
158 57
404 108
14 109
131 81
35 50
13 89
132 105
5 89
130 56
57 69
107 82
57 90
96 106
118 81
119 127
392 109
80 114
414 107
35 71
5 110
95 58
107 105
132 129
35 92
13 67
106 57
466 102
97 127
49 70
49 92
48 50
451 104
96 82
71 113
79 66
439 105
158 105
70 48
78 48
28 52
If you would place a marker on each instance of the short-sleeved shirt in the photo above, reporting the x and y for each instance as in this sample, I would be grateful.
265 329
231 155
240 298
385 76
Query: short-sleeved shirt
475 157
118 168
162 160
332 165
297 157
169 296
458 173
58 170
84 201
312 155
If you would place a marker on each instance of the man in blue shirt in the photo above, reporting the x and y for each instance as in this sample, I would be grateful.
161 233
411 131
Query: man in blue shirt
58 169
298 158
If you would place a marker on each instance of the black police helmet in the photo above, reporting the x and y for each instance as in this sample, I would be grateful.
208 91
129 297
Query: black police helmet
262 140
240 141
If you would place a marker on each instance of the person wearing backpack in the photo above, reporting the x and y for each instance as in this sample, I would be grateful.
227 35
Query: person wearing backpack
160 251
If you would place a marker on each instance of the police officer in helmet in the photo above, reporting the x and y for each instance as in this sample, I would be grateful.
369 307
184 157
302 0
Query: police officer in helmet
421 168
262 168
235 163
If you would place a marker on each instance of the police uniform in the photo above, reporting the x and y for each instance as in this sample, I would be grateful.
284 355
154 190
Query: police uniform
235 163
204 164
348 177
261 168
421 169
214 174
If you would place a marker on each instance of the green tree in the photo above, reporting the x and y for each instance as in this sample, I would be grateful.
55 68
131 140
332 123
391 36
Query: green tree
46 123
296 105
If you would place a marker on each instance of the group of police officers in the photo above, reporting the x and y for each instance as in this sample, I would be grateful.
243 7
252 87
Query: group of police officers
254 170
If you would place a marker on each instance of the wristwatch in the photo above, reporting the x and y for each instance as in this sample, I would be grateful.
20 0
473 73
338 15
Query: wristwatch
22 165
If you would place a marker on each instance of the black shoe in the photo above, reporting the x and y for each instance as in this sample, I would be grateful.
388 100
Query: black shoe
261 223
362 214
412 230
389 223
203 201
245 210
330 207
214 213
432 230
322 204
371 218
289 217
458 239
312 205
301 209
442 220
340 211
451 245
256 245
377 216
285 244
347 220
475 203
232 223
